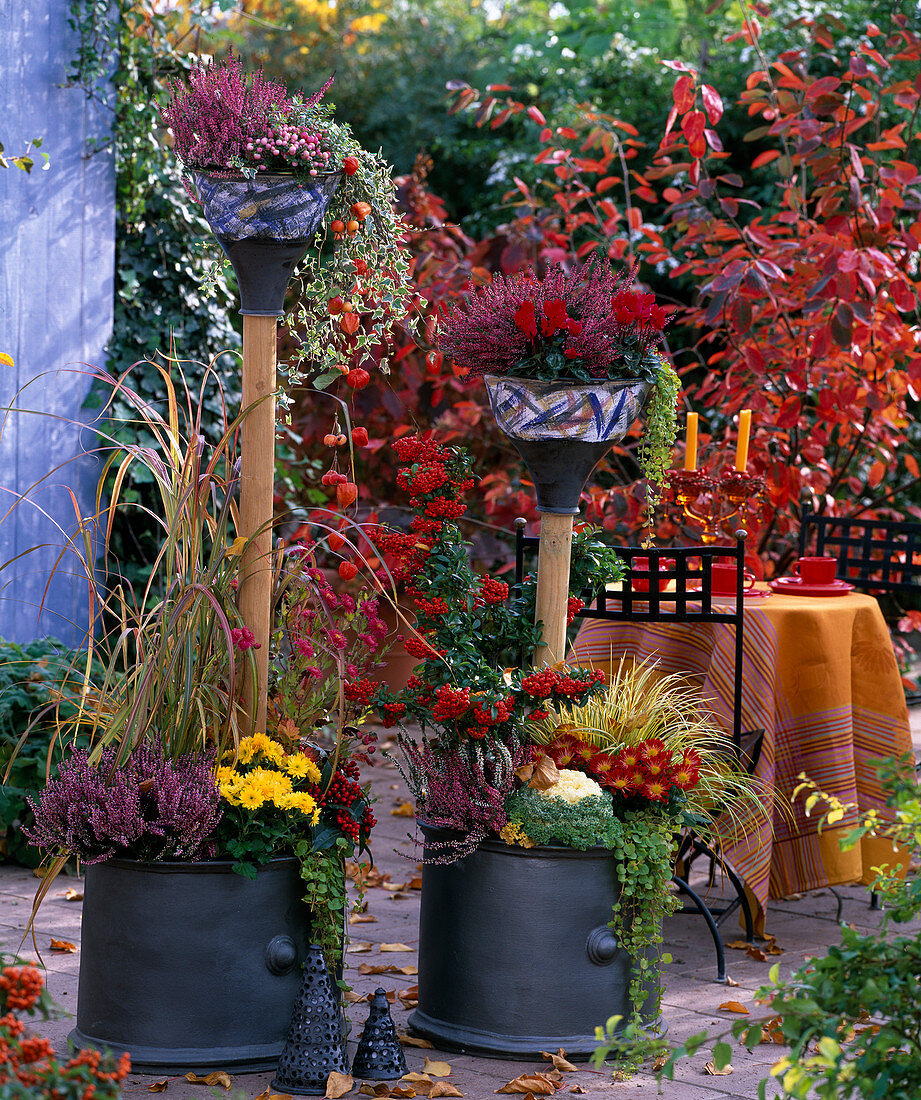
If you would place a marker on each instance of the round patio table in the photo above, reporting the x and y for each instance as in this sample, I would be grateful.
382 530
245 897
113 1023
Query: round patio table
820 677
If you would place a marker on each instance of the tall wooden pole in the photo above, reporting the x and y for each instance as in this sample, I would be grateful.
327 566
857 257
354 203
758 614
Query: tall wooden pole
257 488
553 586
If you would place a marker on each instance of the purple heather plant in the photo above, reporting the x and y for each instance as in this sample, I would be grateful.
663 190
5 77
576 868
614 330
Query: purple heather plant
462 789
579 326
228 118
151 808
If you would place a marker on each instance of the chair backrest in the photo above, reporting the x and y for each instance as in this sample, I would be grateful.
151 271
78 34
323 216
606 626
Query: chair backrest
691 602
873 554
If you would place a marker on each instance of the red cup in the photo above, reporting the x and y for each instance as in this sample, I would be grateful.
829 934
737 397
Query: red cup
723 578
816 570
641 573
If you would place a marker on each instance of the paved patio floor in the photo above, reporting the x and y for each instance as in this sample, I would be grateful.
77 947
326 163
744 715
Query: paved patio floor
803 926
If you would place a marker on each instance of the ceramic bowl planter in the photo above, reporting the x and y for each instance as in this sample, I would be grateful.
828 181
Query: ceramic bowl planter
515 953
264 224
562 430
189 965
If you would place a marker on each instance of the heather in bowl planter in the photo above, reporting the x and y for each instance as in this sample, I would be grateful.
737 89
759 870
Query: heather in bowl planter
271 168
570 357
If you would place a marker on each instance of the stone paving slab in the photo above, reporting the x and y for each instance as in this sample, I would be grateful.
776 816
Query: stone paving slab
803 926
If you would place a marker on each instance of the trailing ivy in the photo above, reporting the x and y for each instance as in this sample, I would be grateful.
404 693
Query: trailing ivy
324 881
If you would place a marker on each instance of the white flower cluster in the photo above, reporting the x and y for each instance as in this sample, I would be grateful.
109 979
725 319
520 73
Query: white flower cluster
572 787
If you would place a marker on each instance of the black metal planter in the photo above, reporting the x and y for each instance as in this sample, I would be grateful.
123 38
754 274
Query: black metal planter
515 953
188 965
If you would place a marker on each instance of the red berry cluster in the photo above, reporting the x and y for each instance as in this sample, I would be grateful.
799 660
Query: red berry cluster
362 691
573 607
392 713
443 508
343 793
493 591
435 606
332 477
20 987
422 480
451 702
552 681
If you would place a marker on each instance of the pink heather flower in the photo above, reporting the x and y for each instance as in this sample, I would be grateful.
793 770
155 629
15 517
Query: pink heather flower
243 638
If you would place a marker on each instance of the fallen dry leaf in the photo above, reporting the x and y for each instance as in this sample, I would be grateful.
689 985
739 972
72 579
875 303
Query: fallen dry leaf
362 918
731 981
400 895
351 998
161 1086
659 1062
395 947
73 895
755 953
405 809
338 1084
415 883
418 1078
739 945
409 996
538 1084
559 1061
374 1090
266 1095
217 1077
413 1041
578 1088
545 775
772 1032
733 1006
710 1068
360 947
64 947
408 970
382 968
444 1088
436 1069
402 1093
393 886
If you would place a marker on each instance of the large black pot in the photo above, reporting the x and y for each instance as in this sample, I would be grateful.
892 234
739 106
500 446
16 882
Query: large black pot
515 953
188 965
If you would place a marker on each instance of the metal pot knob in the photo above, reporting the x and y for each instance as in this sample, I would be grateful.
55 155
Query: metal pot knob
602 946
280 954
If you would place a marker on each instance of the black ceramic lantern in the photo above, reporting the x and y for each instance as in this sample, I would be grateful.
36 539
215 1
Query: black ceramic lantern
265 225
562 430
379 1056
315 1047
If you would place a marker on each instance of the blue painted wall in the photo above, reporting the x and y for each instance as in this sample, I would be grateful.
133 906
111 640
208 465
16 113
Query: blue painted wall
57 240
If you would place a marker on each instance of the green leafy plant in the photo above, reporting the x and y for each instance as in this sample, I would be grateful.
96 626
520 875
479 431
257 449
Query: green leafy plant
850 1017
540 817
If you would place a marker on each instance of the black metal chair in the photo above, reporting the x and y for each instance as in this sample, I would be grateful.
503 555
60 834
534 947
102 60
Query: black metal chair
874 555
639 600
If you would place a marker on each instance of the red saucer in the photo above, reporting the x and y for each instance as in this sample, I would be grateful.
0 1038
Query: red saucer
793 586
747 593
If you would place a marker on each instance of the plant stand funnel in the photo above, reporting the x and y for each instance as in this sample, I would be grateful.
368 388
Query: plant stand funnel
562 431
315 1047
379 1056
265 226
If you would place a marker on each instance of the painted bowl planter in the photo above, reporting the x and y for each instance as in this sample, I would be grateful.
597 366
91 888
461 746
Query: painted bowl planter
515 953
189 965
562 430
264 225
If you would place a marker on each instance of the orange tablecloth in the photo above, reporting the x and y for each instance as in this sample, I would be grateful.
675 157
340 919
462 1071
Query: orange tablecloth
820 677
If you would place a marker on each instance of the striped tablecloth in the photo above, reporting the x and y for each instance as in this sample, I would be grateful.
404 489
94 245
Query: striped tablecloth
820 676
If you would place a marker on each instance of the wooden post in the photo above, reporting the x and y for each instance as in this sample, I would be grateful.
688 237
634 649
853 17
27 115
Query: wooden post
257 488
553 586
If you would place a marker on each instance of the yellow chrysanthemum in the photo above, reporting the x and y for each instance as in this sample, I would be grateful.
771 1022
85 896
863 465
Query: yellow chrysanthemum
250 797
268 748
301 766
246 751
300 801
225 774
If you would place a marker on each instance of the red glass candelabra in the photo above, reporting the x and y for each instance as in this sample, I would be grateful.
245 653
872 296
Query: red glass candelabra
710 500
